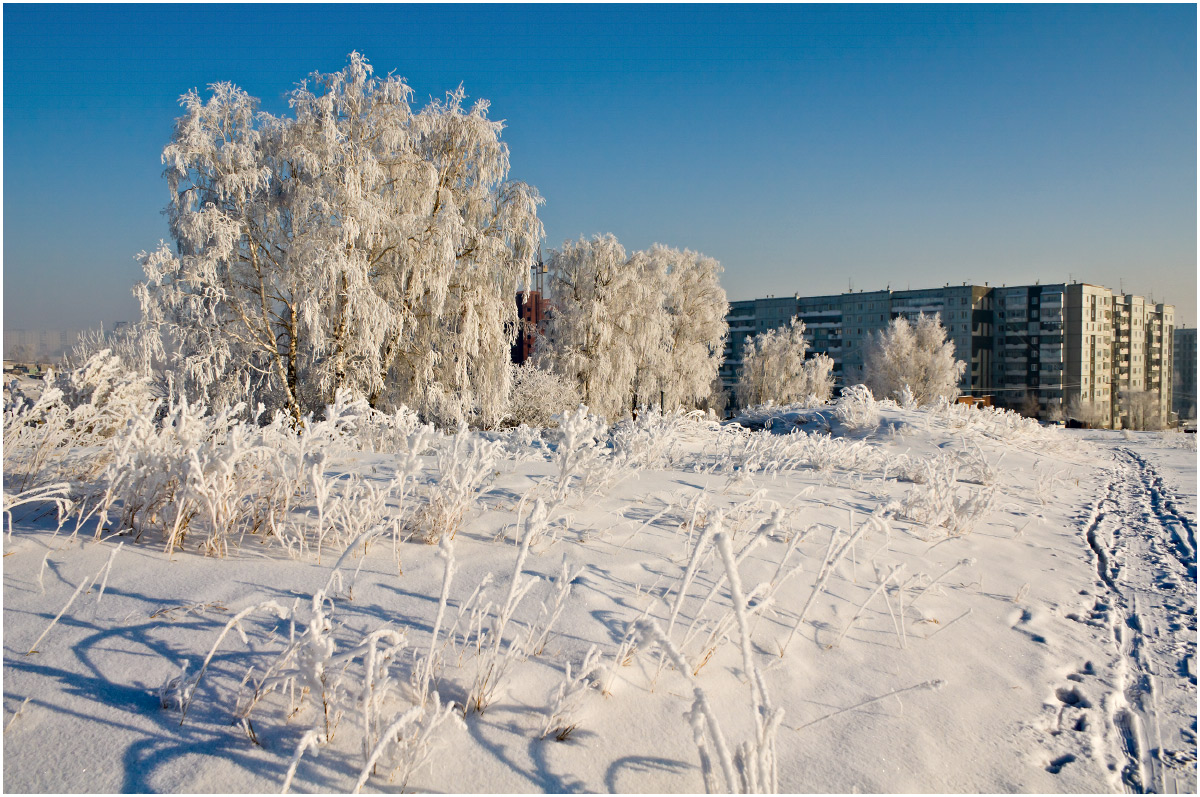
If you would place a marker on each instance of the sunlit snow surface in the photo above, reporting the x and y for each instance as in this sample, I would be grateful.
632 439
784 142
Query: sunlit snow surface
1059 619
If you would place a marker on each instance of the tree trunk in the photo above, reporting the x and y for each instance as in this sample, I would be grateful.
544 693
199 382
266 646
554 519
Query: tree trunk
293 376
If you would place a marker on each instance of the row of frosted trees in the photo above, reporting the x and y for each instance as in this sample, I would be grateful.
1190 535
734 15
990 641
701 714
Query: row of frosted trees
361 244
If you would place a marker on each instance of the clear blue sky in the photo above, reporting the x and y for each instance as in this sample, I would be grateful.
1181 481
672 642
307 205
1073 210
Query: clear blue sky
802 146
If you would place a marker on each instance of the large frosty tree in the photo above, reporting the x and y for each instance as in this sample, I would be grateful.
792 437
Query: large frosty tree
774 368
645 329
917 356
358 244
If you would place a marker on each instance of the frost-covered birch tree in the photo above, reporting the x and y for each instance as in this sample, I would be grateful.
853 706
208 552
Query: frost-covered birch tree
645 329
647 334
914 355
358 244
696 306
593 293
775 368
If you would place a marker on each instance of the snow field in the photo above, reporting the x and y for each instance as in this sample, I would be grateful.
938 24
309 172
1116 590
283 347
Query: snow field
892 608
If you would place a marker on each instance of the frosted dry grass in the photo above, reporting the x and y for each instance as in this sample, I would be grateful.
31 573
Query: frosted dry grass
857 409
466 466
748 570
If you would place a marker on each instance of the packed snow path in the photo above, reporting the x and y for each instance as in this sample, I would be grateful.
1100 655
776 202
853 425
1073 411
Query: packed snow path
1145 559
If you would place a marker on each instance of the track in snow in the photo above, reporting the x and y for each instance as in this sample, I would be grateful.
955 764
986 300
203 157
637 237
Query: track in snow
1145 558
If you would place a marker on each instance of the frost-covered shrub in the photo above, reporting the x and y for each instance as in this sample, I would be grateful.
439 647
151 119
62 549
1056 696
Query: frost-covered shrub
217 477
1141 410
745 452
917 356
774 369
563 715
536 396
80 408
104 394
577 452
351 422
856 409
329 678
939 500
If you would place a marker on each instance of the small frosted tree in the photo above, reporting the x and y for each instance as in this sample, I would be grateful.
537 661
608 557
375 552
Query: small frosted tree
917 356
1030 407
1087 413
1141 410
593 293
646 329
536 396
696 329
774 368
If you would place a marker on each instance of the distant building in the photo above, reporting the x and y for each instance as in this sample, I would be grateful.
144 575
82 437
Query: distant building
1036 348
43 345
1142 354
1184 402
532 312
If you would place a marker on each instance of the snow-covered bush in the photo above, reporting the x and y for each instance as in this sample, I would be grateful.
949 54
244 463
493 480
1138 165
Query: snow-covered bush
577 452
1141 410
104 394
536 396
917 356
329 678
563 716
465 468
1087 413
774 368
856 409
646 441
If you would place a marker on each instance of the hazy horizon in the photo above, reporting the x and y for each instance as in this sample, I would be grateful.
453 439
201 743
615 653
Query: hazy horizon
803 147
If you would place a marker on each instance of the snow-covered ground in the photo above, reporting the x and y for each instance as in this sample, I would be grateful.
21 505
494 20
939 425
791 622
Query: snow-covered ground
1035 633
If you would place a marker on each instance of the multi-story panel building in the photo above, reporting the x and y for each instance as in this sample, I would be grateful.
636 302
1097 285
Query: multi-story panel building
1142 356
1028 368
1184 383
1091 330
1036 348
